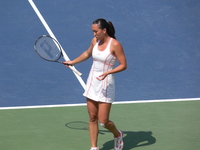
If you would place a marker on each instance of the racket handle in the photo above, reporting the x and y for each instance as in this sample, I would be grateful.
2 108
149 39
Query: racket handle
75 70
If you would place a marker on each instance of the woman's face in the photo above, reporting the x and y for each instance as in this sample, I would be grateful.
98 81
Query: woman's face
98 33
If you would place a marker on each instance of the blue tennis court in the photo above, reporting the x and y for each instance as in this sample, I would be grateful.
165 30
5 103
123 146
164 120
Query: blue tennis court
161 40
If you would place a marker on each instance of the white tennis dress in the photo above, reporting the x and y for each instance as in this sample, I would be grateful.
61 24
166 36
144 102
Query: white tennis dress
104 90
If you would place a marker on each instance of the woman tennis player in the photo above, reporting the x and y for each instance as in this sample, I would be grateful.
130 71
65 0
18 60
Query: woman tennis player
100 87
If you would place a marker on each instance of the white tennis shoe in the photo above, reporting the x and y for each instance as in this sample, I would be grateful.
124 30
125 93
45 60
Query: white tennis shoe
94 148
119 144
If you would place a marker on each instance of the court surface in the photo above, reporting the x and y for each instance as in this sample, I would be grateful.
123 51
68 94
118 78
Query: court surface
146 126
161 40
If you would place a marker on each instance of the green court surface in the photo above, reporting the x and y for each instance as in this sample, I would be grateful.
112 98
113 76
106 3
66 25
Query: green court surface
146 126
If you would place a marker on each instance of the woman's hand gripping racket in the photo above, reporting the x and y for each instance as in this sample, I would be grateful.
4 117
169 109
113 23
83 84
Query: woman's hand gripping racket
49 49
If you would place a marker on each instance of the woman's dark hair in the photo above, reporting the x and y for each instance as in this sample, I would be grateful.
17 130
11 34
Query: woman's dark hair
102 23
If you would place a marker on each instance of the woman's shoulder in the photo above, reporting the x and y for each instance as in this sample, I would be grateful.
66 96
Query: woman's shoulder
94 41
115 43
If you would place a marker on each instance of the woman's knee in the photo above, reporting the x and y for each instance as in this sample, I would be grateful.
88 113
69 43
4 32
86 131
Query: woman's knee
106 124
93 118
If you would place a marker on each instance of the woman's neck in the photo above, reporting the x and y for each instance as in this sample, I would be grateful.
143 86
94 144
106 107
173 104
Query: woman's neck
104 40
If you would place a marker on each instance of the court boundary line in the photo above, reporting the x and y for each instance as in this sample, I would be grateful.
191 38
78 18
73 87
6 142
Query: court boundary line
46 26
84 104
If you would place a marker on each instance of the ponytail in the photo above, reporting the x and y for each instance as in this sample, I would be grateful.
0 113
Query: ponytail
102 23
111 30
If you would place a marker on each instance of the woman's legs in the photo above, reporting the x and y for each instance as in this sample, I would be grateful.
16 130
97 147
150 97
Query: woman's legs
103 117
93 122
99 111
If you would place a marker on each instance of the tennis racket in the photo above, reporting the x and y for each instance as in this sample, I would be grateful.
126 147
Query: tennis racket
49 49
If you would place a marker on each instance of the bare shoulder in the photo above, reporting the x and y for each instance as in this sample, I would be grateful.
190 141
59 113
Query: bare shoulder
116 46
92 44
94 41
115 43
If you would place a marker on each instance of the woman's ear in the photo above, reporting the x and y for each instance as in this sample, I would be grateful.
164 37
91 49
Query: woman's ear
104 30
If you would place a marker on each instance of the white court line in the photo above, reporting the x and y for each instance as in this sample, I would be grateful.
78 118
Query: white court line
53 36
84 104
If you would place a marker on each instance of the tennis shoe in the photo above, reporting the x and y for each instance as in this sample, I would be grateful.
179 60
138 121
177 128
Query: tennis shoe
119 142
94 148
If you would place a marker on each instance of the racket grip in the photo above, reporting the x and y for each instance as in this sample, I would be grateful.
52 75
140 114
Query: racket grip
75 70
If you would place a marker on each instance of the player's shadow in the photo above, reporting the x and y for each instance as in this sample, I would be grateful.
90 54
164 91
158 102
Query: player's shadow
131 139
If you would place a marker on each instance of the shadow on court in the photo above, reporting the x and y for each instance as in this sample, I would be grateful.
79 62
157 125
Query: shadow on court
131 139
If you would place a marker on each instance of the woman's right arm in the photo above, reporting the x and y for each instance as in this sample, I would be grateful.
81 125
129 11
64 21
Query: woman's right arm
84 56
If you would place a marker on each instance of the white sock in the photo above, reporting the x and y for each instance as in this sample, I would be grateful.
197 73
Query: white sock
94 148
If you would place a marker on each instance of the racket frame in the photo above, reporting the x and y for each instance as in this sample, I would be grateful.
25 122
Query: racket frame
61 54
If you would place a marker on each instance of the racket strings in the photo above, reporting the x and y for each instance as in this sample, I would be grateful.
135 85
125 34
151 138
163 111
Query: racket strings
48 48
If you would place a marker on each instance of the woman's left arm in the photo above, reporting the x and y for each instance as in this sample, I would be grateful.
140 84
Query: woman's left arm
118 52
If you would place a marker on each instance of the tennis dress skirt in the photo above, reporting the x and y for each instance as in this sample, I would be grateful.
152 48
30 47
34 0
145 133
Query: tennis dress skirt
101 90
